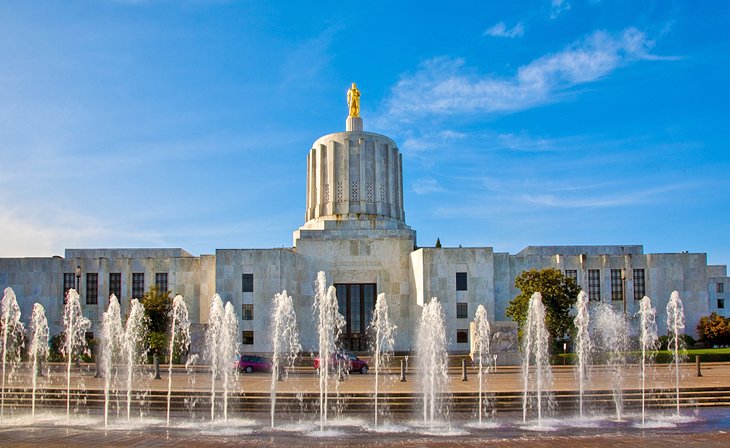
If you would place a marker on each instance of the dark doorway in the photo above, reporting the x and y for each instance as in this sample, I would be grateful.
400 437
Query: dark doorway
356 302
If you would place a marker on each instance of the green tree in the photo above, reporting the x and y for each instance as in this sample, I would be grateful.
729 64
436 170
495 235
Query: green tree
558 295
157 307
438 243
714 330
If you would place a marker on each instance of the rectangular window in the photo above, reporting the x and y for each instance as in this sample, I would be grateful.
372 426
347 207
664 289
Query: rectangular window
461 281
721 303
639 284
247 283
594 284
92 288
721 287
462 336
356 302
247 338
462 310
572 273
161 281
617 285
69 282
137 285
115 285
247 312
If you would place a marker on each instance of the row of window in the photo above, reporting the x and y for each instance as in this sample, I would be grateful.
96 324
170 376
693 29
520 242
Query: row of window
617 283
70 280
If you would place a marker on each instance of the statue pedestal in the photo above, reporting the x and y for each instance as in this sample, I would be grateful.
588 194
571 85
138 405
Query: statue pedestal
353 124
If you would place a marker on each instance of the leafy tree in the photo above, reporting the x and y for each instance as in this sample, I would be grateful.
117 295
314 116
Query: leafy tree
714 330
558 295
157 307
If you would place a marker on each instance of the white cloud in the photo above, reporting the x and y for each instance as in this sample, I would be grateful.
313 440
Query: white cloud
425 186
558 7
500 30
445 85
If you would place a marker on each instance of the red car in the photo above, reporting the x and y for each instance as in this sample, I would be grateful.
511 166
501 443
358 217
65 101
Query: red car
250 364
346 359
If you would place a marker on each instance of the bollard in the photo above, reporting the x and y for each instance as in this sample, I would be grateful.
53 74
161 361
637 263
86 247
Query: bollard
78 361
97 362
697 362
402 371
278 373
156 361
463 370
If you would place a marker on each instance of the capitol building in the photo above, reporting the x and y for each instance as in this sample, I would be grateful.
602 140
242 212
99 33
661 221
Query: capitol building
355 230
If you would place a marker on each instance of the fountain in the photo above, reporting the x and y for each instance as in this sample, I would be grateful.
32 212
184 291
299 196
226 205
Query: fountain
432 358
284 341
133 346
38 348
612 334
384 333
179 340
12 339
221 339
329 327
111 344
582 344
75 327
675 329
482 338
535 352
648 344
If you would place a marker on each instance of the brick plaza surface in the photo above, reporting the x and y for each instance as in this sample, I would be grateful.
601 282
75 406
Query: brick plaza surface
502 379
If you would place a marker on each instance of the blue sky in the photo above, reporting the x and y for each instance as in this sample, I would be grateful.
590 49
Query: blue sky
187 123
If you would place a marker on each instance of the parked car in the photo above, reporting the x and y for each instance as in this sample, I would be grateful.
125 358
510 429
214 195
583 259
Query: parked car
251 363
346 360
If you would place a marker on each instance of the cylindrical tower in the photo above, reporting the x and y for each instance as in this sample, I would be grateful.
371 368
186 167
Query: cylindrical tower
355 176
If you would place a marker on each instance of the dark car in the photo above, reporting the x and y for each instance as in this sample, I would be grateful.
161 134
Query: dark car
346 360
251 363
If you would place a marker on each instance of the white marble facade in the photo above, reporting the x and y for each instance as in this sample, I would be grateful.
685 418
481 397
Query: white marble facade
355 231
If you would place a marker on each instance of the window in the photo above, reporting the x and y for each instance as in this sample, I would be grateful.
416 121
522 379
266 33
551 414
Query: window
461 281
247 312
247 281
462 310
161 282
617 286
594 284
356 302
572 273
69 282
639 284
721 303
247 338
115 284
462 336
721 287
137 285
92 288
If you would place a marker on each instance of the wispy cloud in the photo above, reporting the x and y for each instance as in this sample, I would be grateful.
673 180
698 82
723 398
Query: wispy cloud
501 30
425 186
558 7
446 85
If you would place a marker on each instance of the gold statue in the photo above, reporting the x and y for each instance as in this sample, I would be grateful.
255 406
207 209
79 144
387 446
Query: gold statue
353 101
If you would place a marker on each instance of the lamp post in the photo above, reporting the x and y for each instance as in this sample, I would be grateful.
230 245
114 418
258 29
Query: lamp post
78 277
623 288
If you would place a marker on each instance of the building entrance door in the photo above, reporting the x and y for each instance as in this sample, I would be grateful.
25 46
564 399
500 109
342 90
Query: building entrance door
356 302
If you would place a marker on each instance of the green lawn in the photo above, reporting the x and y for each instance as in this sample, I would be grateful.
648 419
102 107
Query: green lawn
661 356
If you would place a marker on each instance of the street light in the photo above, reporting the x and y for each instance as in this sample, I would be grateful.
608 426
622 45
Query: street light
78 277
